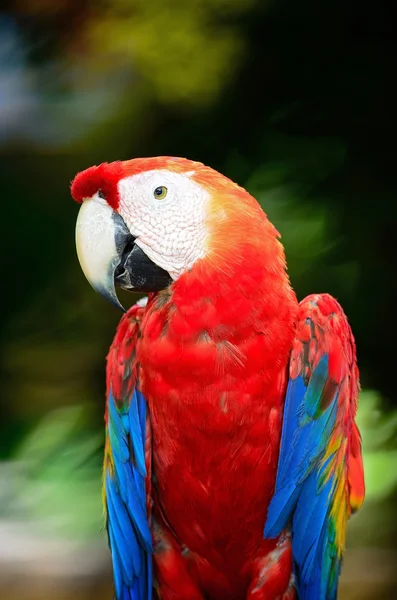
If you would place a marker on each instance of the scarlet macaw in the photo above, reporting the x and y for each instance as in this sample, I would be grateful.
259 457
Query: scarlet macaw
232 458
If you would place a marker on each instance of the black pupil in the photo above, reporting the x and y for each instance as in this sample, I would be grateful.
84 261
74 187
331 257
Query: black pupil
101 194
158 191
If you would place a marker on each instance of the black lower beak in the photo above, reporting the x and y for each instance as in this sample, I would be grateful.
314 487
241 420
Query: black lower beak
135 271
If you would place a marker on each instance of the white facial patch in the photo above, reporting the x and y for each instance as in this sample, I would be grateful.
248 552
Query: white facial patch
171 230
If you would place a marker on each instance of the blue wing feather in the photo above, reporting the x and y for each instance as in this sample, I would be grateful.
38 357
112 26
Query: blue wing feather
137 426
300 497
129 534
320 475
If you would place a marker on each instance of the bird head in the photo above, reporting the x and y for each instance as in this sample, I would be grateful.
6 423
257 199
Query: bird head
145 222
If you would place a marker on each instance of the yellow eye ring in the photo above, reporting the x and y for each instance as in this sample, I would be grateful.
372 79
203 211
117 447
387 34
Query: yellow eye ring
160 192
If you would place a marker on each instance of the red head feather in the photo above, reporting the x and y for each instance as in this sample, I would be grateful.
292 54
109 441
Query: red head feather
105 177
231 209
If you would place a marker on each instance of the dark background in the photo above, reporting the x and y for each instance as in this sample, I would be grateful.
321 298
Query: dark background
294 101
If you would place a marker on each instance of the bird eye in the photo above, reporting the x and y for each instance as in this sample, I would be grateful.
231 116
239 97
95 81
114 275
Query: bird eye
160 192
100 194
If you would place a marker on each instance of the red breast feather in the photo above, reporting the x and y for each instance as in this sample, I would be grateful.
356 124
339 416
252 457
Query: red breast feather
213 355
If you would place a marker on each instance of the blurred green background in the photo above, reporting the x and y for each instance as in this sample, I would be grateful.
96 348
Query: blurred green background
294 101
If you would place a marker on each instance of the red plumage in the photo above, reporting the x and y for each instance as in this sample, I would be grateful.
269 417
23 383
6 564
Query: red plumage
211 355
211 349
106 176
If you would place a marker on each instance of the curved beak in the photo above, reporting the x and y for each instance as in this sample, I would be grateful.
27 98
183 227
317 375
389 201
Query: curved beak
100 237
109 256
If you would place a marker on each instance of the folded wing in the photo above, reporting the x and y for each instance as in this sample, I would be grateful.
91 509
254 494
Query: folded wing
127 456
320 474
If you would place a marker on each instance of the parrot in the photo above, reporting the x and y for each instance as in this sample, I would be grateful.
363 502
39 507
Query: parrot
232 457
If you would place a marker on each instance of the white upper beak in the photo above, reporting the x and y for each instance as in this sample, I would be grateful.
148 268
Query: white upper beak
96 246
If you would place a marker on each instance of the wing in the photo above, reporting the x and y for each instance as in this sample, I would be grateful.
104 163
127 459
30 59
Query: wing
320 474
127 460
